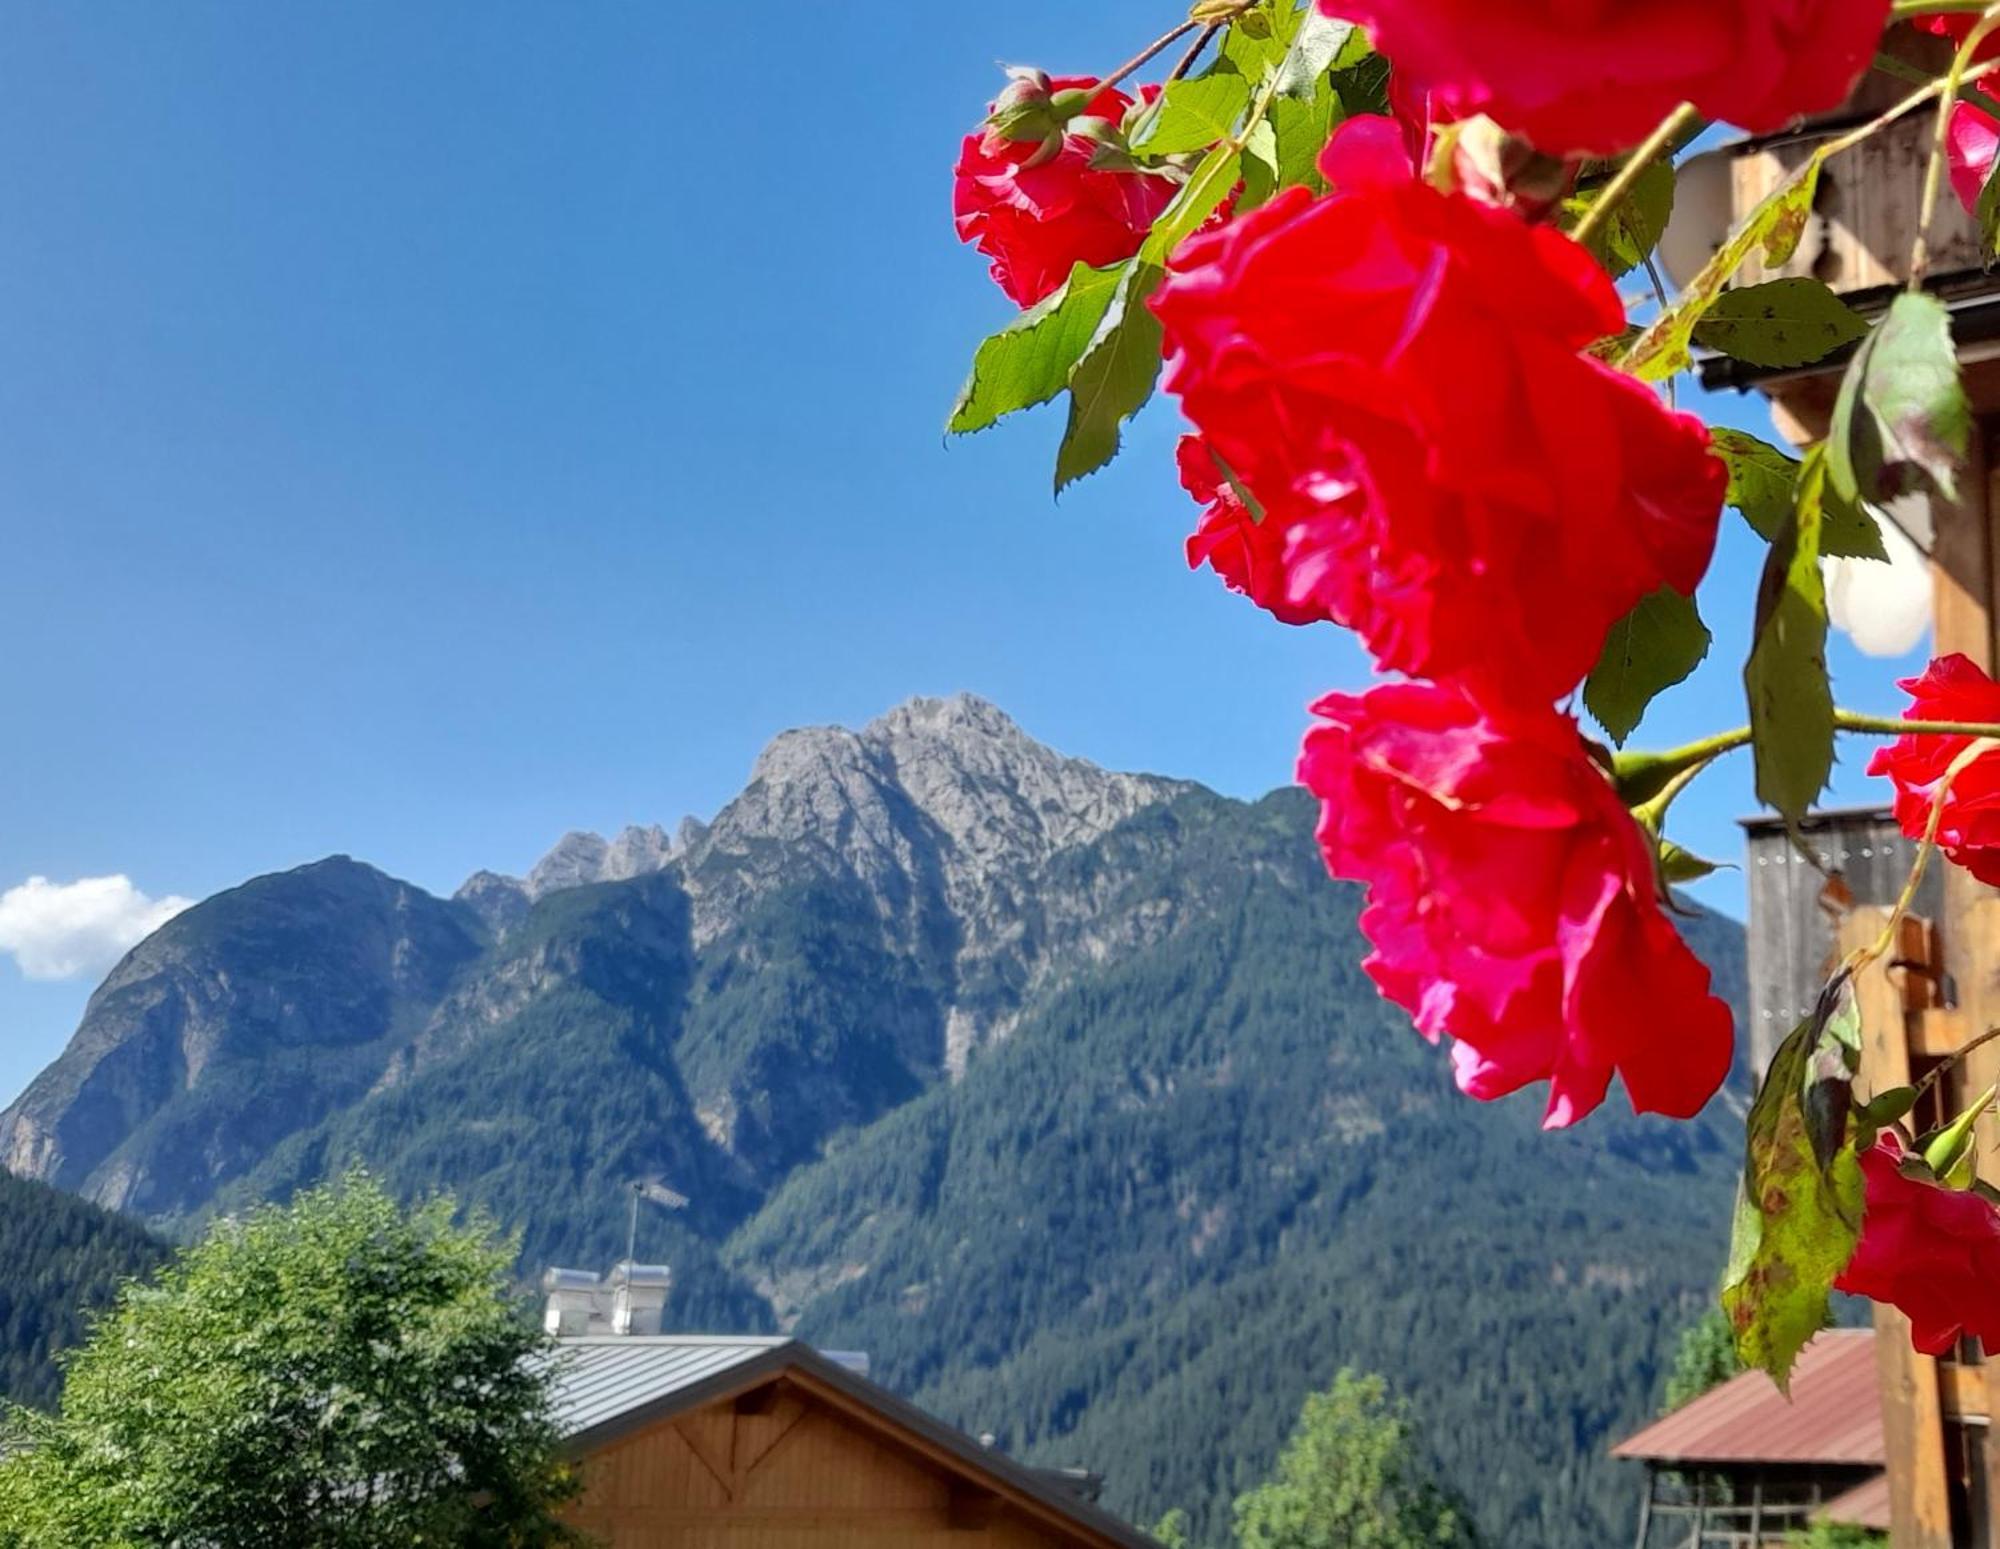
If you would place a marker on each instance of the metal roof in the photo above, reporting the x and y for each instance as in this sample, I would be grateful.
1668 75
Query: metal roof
599 1379
608 1386
1833 1416
1866 1505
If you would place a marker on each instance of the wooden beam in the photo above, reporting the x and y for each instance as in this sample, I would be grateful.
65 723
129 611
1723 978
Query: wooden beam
1936 1032
1962 1392
1066 1527
689 1430
1977 976
1912 1413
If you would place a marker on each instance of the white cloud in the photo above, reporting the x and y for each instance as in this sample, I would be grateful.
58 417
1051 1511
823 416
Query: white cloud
63 930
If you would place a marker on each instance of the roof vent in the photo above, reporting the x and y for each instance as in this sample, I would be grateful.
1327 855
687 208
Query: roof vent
574 1296
639 1297
631 1300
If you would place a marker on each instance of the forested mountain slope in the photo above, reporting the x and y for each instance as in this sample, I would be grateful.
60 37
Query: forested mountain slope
60 1260
1198 1181
1059 1090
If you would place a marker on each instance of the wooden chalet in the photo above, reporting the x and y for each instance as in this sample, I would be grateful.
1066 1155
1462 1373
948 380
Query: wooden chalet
748 1443
1742 1467
1942 988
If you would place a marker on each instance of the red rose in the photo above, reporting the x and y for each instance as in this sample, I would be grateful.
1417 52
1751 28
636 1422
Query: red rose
1246 553
1592 77
1037 209
1394 374
1952 688
1930 1251
1512 901
1974 138
1958 29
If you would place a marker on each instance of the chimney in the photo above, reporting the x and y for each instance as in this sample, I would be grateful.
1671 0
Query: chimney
639 1297
574 1298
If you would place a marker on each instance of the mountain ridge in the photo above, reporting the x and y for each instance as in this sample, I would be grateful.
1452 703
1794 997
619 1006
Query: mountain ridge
1059 1089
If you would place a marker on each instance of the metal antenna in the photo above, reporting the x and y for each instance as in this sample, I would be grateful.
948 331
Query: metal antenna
658 1192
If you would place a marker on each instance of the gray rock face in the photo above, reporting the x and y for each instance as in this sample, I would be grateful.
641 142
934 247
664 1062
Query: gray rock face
229 1028
869 911
500 902
578 859
945 811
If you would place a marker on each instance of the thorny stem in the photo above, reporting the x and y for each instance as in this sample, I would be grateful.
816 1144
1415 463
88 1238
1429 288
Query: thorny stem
1915 100
1194 53
1903 10
1951 1060
1167 40
1733 253
1659 143
1895 726
1854 721
1973 751
1920 249
1903 70
1145 55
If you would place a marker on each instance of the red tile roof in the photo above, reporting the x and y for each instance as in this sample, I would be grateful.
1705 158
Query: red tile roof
1833 1416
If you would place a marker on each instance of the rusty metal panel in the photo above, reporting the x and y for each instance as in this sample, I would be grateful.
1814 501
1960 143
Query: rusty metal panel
1833 1414
1791 929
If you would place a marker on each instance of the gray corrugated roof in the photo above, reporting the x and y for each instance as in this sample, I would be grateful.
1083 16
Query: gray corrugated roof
612 1384
599 1379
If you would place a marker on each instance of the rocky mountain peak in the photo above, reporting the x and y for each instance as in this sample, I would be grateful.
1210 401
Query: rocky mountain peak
992 792
942 810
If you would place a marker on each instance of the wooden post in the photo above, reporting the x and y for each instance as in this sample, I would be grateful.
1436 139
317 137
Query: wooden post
1965 560
1912 1407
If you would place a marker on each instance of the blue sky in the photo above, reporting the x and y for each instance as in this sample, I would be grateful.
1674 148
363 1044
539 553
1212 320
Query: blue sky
427 428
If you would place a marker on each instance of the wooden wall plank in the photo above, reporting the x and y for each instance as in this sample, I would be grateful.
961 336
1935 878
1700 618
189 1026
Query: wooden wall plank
796 1472
1912 1412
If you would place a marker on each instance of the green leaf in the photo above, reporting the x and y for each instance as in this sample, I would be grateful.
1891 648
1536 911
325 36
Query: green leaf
1115 376
1113 380
1029 361
1320 42
1197 200
1633 229
1902 421
1761 480
1791 702
1361 76
1775 225
1848 531
1253 51
1260 166
1791 322
1192 115
1648 651
1679 864
1798 1214
1302 126
1885 1108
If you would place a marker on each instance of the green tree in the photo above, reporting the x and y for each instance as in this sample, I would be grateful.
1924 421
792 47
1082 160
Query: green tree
1705 1357
1348 1479
334 1374
1839 1535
